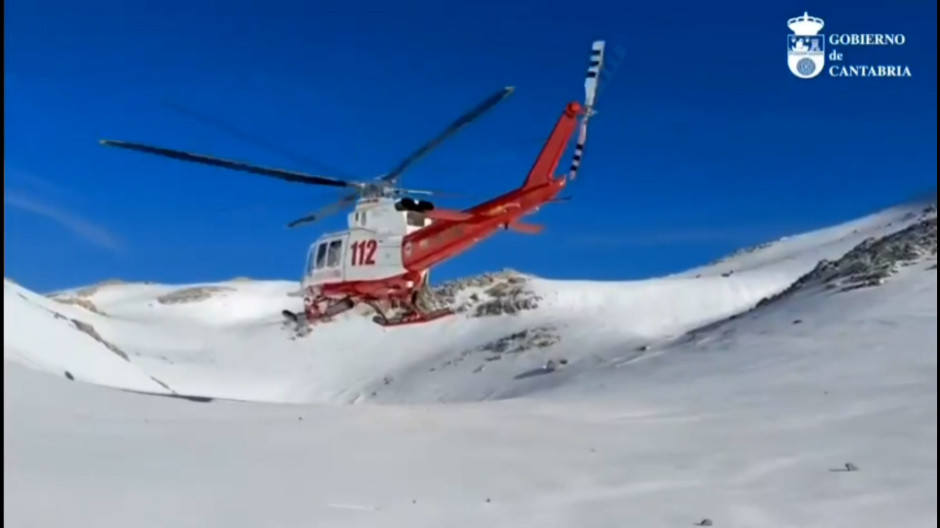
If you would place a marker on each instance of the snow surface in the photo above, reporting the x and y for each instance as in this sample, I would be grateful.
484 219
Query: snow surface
665 412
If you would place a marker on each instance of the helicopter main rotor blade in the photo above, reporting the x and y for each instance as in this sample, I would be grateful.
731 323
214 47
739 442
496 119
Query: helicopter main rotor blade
325 211
251 138
459 123
291 176
427 192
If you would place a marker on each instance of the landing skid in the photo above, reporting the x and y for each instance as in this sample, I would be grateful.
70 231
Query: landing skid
313 313
300 320
410 318
419 307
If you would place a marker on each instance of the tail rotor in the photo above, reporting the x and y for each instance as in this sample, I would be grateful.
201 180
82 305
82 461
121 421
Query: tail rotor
591 80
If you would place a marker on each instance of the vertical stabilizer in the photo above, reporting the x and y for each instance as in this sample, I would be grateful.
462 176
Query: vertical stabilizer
543 170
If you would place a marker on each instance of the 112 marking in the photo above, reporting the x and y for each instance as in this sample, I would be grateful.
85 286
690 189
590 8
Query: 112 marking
363 252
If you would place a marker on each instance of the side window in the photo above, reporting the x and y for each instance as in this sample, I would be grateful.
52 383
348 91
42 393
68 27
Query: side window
321 255
335 253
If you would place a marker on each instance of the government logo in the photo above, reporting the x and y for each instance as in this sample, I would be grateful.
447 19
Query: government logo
806 48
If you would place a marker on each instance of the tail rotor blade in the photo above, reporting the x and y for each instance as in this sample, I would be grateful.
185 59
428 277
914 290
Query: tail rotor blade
591 79
459 123
291 176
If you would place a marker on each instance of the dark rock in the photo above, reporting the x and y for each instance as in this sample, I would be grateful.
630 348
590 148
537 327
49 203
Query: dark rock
193 294
90 330
503 293
538 337
869 263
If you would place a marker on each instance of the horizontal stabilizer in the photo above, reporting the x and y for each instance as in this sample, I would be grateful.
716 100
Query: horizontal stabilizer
529 229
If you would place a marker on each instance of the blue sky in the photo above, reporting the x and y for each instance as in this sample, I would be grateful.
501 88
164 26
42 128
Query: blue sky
705 142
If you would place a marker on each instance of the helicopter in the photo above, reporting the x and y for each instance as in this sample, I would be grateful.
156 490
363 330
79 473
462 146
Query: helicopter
383 258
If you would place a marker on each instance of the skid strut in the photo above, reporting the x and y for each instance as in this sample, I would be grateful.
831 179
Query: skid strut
417 307
323 308
407 315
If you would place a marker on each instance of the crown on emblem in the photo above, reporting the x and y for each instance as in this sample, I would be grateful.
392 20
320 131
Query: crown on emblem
805 25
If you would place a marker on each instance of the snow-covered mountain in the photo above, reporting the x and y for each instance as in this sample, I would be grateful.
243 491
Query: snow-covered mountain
731 395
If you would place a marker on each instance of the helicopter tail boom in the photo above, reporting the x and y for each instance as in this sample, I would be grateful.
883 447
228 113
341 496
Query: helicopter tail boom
543 169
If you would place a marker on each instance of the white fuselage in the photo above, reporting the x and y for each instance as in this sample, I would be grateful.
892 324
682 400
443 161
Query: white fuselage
370 249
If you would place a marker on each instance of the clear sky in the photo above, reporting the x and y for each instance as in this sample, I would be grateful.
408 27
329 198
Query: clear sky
705 142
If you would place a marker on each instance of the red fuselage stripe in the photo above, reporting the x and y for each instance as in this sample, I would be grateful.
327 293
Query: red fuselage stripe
444 239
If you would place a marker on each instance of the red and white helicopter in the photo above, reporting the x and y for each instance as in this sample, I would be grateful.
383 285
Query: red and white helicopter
384 257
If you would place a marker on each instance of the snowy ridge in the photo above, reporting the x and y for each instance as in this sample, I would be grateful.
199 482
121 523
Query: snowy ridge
667 401
59 339
873 261
806 249
227 340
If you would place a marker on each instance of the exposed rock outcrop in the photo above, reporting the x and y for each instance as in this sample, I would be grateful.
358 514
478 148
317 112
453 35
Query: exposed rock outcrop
194 294
90 330
516 343
872 261
536 337
79 301
489 294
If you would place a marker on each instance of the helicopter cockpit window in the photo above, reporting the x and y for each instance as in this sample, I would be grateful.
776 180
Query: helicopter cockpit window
335 253
311 262
321 255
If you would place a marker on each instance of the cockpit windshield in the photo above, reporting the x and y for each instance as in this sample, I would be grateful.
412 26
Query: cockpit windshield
310 261
321 256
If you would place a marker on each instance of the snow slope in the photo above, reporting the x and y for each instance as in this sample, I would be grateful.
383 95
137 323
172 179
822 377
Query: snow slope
45 336
677 402
227 340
